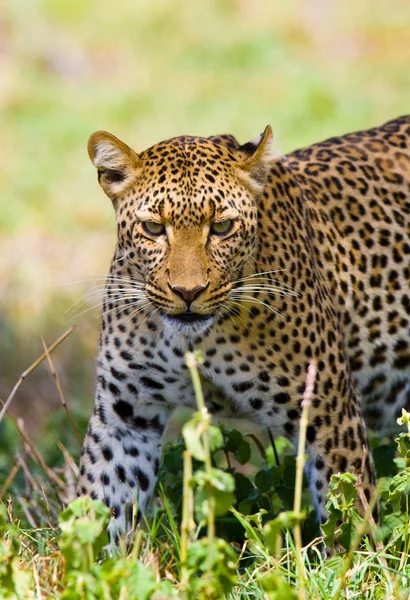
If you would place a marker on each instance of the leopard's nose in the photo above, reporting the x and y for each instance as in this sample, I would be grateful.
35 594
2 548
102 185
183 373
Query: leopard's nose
188 294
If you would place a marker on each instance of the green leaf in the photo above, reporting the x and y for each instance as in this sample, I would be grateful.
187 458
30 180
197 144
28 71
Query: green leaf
289 473
342 491
83 527
254 494
404 419
272 529
216 439
400 484
233 438
141 582
218 485
192 432
399 487
243 452
173 459
245 507
276 587
264 479
403 445
383 457
349 529
250 530
243 485
213 570
329 527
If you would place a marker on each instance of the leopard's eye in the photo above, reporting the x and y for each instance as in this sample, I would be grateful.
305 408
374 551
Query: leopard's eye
153 228
223 227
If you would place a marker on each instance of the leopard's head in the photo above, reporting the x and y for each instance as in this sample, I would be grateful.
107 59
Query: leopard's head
186 214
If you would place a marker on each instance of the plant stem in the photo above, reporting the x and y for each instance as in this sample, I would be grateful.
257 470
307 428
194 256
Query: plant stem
187 515
300 463
192 361
360 532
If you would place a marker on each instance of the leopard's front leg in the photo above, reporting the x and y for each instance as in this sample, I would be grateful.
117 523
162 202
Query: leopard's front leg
122 448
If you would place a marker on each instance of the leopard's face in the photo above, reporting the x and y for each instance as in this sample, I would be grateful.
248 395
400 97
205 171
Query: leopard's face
187 219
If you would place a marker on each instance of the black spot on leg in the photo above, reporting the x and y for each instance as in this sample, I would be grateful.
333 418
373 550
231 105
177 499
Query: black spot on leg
140 422
319 463
343 464
123 409
242 386
105 479
119 469
107 453
142 478
118 374
281 398
113 389
256 403
311 434
132 388
131 451
151 383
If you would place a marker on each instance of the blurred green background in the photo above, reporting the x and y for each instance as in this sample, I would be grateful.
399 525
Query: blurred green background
146 71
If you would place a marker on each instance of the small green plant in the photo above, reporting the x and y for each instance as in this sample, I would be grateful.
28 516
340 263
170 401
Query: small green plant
15 582
344 519
233 522
83 536
209 564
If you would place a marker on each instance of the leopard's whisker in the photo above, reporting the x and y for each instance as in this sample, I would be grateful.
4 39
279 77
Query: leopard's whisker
257 301
150 314
237 315
265 281
83 301
259 274
115 308
102 293
105 278
118 292
224 311
265 288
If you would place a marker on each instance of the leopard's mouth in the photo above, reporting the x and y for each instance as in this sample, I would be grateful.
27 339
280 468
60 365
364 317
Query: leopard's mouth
189 317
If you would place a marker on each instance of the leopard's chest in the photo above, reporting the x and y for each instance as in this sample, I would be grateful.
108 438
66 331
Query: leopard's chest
236 380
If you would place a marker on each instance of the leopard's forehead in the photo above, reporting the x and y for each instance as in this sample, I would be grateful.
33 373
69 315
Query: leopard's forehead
188 179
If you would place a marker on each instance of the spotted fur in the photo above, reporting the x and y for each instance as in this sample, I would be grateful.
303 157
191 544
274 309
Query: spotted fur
316 266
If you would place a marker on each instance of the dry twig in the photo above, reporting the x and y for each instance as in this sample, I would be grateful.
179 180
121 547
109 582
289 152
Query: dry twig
60 392
34 366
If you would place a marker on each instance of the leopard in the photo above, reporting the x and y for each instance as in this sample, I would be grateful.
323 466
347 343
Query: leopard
266 263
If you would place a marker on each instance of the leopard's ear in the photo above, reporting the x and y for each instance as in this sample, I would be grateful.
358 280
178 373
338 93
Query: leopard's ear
258 155
117 164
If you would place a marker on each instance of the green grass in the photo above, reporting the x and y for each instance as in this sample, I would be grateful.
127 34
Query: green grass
225 525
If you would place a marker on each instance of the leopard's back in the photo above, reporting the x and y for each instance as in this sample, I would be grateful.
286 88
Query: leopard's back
357 189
